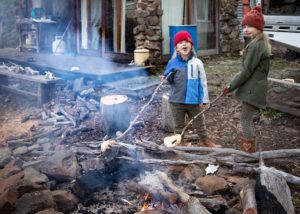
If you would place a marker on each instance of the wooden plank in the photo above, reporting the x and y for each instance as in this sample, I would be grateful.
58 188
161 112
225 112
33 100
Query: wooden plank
18 91
283 83
283 108
33 78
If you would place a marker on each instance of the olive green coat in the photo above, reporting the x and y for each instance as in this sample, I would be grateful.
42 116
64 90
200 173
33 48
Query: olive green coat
251 81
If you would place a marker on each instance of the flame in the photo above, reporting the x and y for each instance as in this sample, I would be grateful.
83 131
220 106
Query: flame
149 204
146 204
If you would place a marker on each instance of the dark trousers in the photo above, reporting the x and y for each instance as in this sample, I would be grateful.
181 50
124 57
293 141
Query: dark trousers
180 110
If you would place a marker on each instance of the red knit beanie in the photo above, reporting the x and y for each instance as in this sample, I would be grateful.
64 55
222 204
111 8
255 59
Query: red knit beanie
181 36
254 18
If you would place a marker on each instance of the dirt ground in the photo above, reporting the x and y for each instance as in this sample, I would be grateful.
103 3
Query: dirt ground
274 130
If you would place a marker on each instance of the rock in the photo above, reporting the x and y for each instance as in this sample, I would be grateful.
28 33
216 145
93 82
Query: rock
54 171
235 179
7 201
67 161
10 181
65 200
191 173
14 187
5 156
9 170
211 184
35 202
35 176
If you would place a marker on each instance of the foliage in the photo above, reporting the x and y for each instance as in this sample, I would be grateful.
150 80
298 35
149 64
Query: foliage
271 113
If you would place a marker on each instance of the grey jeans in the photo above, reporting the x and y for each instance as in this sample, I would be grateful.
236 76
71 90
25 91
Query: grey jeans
180 110
247 114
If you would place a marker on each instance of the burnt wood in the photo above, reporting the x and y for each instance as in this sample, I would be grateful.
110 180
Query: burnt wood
273 194
112 173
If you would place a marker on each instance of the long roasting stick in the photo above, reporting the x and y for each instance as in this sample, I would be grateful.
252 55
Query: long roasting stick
201 112
143 108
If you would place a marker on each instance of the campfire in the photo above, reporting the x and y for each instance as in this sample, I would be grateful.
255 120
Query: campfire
60 167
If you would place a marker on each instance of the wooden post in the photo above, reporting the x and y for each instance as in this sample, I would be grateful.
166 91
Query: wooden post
167 122
115 113
45 92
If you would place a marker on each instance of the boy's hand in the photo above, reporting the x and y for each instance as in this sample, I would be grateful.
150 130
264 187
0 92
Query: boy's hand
202 106
163 79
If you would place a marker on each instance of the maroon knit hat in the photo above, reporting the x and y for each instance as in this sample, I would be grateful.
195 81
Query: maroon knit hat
181 36
254 18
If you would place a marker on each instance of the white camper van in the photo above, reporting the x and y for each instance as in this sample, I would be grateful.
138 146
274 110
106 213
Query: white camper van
282 23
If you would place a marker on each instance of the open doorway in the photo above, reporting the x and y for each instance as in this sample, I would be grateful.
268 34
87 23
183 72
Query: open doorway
119 26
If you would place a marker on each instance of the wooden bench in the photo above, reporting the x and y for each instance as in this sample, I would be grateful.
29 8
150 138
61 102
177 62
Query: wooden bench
45 90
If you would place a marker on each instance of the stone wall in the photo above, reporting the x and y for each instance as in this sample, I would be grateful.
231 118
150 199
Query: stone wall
8 28
147 32
229 26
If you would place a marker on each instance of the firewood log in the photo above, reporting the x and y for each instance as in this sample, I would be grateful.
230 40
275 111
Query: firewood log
247 195
115 113
68 116
273 194
272 191
194 205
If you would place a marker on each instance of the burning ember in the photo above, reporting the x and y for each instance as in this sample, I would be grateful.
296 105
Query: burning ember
150 204
147 202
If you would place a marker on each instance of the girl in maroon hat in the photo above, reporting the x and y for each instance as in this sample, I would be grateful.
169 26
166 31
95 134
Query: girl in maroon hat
188 83
251 82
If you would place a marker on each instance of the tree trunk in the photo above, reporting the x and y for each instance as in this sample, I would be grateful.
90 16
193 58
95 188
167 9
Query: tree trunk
115 113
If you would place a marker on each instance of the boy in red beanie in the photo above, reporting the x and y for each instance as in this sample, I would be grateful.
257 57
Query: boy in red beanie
251 82
188 83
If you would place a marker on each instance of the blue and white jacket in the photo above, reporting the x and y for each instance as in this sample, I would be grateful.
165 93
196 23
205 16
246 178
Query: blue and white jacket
188 81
